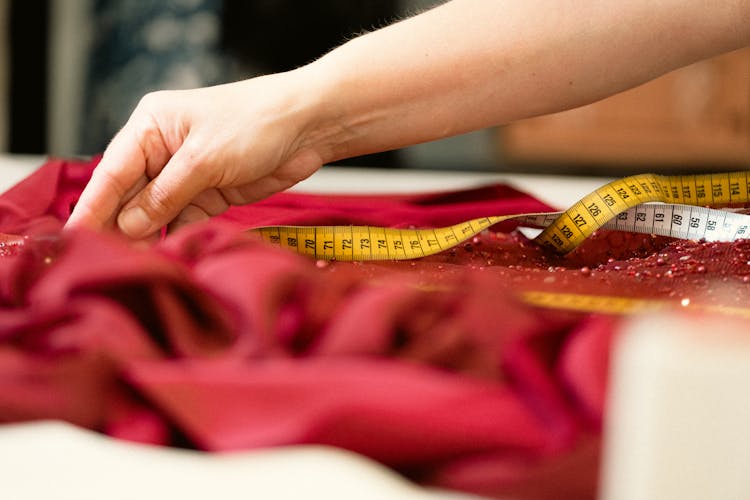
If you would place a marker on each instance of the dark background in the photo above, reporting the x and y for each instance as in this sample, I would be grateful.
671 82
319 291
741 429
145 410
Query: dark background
257 36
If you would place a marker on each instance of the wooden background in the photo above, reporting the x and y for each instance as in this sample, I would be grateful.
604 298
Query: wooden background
697 117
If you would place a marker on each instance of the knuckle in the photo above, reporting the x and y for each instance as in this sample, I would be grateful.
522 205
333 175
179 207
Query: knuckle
151 100
196 164
109 178
191 155
157 201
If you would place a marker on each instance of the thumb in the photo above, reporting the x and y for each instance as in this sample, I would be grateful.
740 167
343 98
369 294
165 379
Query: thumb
162 199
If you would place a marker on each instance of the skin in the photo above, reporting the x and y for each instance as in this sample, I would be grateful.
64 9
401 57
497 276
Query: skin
184 156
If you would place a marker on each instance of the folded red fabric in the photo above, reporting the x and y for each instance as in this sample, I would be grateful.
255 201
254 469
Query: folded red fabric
216 340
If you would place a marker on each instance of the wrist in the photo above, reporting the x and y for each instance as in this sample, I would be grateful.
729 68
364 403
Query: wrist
324 127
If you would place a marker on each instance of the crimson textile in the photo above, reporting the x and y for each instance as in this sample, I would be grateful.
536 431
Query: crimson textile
215 340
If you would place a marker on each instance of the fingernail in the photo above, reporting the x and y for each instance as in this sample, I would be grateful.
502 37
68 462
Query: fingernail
134 222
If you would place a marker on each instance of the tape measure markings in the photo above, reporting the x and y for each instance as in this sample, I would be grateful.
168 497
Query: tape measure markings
682 221
611 206
624 193
371 243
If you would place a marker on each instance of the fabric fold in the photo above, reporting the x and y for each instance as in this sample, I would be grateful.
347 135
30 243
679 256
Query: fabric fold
214 339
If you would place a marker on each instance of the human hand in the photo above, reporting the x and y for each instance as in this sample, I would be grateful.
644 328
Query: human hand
185 156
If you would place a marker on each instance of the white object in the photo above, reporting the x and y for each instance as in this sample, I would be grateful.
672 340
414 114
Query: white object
47 460
679 411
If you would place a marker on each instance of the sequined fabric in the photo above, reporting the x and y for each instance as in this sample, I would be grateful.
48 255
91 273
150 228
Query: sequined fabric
215 340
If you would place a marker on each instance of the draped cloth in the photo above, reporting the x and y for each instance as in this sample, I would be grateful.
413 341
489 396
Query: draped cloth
215 340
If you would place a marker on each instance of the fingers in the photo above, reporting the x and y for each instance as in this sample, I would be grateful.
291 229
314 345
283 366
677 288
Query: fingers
121 173
297 168
161 200
165 165
207 204
121 168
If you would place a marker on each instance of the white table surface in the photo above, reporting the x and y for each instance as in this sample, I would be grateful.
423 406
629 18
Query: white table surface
559 191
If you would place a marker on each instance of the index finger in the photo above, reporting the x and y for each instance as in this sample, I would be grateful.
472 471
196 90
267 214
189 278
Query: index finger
121 173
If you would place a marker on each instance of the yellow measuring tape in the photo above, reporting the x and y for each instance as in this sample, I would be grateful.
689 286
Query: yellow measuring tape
609 304
563 232
624 204
595 209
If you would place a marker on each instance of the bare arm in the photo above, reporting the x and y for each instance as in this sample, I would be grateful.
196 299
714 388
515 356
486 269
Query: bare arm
469 64
187 155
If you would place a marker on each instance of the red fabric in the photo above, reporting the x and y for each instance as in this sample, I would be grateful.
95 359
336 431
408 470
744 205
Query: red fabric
217 340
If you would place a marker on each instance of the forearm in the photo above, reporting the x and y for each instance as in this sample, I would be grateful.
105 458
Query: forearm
469 64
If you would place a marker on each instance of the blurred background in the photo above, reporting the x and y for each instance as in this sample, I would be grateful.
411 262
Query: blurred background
71 71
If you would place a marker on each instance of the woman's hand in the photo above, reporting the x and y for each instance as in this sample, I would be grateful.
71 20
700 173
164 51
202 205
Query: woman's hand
184 156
